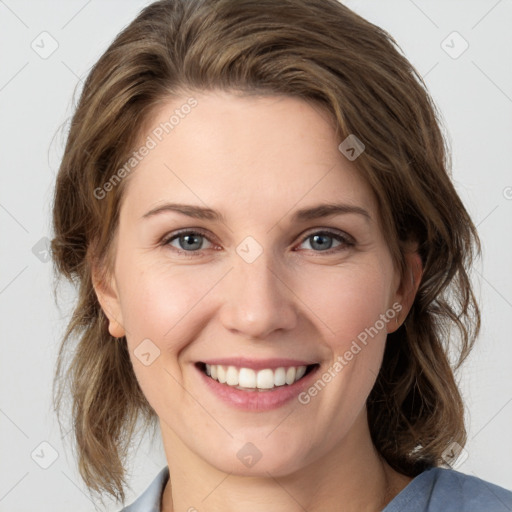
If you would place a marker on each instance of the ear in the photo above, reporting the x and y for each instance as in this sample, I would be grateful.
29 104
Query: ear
407 289
108 297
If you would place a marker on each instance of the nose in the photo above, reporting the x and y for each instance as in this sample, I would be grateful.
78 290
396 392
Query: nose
257 300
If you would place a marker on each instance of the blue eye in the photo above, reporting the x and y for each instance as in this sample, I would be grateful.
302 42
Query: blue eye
323 240
190 243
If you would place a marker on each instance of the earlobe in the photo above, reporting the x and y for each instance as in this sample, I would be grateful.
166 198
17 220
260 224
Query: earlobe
115 328
408 288
107 294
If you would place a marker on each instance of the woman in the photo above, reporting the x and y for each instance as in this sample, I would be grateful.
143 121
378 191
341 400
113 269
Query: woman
272 263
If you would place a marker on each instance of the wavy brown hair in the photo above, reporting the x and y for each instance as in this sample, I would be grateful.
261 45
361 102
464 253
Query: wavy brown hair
319 51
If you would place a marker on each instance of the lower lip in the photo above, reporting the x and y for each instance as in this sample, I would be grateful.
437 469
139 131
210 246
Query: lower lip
258 400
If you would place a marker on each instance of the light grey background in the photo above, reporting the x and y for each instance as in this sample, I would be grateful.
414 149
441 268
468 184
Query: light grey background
474 93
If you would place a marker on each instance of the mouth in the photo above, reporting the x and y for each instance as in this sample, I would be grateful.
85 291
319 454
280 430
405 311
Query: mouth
248 379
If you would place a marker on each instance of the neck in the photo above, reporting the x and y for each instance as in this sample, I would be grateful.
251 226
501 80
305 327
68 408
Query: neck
352 477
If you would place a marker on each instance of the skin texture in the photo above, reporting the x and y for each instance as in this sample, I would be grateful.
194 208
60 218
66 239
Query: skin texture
256 160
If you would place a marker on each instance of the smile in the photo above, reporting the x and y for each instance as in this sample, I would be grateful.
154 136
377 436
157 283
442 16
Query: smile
248 379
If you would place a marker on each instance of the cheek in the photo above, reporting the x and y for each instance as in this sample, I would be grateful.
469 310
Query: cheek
349 301
350 304
163 302
165 305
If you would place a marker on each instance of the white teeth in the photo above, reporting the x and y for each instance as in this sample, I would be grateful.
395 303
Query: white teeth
232 376
221 374
251 379
247 378
301 370
290 375
265 379
280 377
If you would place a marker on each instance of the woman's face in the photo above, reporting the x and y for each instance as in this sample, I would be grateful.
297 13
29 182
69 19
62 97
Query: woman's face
252 274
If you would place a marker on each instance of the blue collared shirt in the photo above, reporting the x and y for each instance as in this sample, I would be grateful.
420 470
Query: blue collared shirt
434 490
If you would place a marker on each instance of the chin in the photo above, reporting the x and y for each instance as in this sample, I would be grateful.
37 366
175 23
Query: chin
259 457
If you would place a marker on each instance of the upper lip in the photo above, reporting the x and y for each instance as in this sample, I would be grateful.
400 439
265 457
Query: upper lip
257 364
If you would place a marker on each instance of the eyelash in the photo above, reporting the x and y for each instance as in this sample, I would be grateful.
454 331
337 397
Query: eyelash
346 241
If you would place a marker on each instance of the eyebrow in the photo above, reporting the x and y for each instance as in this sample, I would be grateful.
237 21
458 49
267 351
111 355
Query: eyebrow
314 212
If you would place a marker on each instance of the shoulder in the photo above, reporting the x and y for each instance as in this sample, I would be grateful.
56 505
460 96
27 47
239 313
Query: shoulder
149 500
447 490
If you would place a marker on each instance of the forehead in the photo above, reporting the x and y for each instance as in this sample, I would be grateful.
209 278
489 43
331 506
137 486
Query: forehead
233 152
